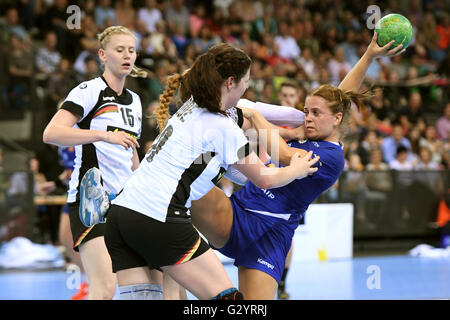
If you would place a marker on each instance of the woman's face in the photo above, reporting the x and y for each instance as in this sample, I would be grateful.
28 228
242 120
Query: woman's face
233 91
119 54
320 122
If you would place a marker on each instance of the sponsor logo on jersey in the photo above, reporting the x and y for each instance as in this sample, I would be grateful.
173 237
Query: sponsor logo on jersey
116 129
269 194
108 98
263 262
82 86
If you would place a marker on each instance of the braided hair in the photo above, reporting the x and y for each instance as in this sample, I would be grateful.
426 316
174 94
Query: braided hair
204 79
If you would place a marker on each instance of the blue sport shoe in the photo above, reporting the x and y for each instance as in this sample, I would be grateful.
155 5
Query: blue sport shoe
94 200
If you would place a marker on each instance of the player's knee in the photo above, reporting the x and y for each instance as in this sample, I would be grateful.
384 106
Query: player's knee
102 290
229 294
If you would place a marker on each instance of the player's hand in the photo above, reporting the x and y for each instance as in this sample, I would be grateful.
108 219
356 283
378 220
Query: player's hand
121 138
304 165
374 50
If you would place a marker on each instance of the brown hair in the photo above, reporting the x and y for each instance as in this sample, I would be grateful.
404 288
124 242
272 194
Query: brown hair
204 79
341 101
105 36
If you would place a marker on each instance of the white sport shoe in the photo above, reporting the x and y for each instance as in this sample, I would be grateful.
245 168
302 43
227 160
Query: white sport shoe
94 200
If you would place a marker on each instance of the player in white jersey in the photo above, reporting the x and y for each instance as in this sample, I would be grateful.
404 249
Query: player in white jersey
149 223
102 119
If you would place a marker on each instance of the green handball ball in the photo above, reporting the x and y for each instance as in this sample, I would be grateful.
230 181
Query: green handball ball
394 27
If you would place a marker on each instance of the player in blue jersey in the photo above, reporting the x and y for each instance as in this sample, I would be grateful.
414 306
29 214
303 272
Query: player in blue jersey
255 226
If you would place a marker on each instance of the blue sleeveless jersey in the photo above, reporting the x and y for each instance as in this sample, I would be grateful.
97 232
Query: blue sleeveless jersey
291 201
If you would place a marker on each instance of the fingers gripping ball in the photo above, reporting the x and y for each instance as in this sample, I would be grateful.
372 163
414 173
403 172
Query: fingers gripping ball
394 27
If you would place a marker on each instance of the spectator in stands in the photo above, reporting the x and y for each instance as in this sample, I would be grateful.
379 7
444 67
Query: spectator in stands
13 26
177 14
391 143
443 123
401 162
125 13
288 47
337 66
48 57
20 68
425 161
411 114
150 15
197 20
103 13
263 25
431 141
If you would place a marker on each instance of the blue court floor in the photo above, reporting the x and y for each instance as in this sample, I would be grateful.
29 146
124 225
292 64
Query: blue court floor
383 277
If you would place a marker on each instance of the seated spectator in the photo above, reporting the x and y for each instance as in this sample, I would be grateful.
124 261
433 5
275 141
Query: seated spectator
20 69
431 141
425 162
103 13
204 40
443 123
411 114
197 20
288 47
391 143
125 13
150 15
263 25
401 162
13 27
337 66
48 57
177 14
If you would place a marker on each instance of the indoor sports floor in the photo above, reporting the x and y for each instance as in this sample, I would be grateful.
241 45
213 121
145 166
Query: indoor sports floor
381 277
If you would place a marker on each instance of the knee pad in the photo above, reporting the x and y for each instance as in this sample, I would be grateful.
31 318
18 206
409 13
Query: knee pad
229 294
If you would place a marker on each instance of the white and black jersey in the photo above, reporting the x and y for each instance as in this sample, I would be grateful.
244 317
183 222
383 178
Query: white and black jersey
186 160
100 108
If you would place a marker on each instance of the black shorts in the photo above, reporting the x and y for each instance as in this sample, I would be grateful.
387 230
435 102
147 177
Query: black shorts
80 233
136 240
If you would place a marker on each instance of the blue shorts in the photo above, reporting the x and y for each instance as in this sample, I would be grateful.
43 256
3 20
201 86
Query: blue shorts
258 241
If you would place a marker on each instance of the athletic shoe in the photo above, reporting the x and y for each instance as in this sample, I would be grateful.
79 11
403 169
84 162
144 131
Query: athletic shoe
82 293
94 200
283 295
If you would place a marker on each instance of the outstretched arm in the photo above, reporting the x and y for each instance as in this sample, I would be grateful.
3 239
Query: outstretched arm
354 78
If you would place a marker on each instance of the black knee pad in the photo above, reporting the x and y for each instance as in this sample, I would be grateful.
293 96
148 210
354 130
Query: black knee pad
229 294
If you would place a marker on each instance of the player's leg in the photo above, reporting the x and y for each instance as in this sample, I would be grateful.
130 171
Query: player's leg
282 293
140 283
172 290
212 215
256 285
66 239
205 277
97 264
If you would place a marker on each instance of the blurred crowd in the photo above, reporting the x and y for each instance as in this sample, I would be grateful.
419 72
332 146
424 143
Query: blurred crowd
404 126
